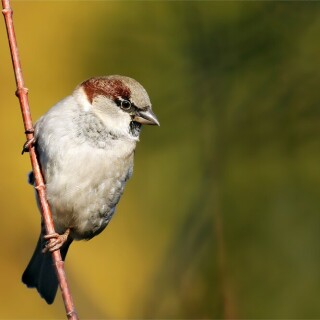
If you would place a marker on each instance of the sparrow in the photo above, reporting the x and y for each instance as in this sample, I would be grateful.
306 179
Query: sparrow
85 146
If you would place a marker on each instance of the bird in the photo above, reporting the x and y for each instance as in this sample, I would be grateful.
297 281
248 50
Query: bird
85 145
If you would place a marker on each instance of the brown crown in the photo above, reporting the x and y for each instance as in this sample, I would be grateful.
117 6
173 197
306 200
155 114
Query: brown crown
108 87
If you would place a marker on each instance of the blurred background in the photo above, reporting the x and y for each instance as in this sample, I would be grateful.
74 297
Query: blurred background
221 219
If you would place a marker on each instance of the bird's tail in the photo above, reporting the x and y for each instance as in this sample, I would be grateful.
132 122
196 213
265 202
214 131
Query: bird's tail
40 271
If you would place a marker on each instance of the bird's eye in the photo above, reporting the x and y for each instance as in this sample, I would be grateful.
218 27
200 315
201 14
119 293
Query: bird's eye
125 105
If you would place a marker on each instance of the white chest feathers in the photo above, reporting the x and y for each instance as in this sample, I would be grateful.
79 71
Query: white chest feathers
85 168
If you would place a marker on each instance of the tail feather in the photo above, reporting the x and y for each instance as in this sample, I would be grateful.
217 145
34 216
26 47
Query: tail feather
40 272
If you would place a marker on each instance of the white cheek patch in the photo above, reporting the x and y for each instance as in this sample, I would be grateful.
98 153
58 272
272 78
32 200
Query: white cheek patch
113 117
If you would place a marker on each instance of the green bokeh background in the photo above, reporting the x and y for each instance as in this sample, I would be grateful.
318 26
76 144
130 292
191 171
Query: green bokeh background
221 218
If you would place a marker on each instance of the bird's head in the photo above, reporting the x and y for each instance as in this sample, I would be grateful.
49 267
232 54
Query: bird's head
120 102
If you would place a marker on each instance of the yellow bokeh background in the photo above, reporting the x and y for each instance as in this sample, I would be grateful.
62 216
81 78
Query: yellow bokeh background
221 217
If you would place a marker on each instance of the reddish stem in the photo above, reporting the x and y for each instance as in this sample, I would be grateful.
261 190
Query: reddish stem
22 94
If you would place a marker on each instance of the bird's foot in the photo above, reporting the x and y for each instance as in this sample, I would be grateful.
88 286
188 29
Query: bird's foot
55 241
29 143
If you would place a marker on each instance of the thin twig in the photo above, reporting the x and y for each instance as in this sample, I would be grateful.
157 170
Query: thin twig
22 94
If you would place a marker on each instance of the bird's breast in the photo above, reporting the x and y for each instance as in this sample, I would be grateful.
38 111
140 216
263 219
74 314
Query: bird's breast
84 189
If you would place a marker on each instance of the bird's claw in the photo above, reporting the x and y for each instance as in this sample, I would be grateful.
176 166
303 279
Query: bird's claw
27 145
55 241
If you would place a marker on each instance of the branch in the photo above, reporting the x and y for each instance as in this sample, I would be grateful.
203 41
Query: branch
22 94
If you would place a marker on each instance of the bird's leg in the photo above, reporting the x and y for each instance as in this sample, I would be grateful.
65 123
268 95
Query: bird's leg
56 241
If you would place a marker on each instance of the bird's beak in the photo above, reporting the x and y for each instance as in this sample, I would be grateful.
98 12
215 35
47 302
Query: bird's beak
146 117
